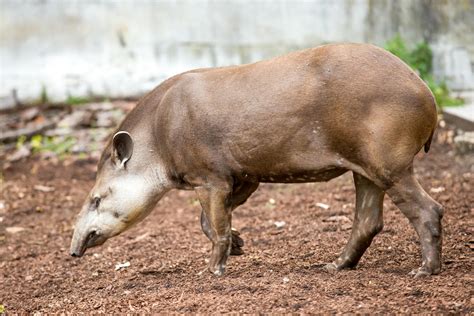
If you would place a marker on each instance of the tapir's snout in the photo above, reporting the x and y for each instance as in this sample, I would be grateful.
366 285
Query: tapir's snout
75 254
80 245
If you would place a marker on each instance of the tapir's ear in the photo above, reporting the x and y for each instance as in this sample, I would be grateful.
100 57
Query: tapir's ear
122 147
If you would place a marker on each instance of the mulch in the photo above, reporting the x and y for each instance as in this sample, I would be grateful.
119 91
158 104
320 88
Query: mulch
281 270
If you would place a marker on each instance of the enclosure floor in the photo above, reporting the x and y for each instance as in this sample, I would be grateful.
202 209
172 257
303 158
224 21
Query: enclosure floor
281 270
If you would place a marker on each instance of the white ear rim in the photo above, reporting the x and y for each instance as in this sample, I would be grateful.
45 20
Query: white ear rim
124 161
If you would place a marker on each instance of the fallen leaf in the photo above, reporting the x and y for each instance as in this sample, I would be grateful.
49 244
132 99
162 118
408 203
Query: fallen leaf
124 265
40 119
272 201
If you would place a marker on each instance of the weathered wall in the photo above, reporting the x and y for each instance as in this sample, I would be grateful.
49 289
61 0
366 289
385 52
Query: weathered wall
124 47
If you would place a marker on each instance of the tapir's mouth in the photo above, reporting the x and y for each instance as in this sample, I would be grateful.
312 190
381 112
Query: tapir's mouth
84 245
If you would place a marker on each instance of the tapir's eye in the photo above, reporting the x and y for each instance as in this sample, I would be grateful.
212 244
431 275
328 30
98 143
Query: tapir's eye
96 202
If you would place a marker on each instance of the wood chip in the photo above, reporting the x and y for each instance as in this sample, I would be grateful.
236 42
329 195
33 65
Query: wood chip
322 205
337 218
14 229
437 190
43 188
124 265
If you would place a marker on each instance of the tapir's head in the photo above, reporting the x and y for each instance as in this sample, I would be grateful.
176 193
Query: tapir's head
126 190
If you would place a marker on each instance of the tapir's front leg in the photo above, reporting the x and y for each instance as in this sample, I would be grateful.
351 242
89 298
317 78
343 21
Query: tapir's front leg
237 241
215 202
240 194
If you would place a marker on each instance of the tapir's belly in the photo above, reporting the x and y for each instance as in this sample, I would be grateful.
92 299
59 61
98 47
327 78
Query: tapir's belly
303 176
281 160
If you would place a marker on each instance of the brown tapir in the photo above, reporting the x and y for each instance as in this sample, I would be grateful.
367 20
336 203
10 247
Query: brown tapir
308 116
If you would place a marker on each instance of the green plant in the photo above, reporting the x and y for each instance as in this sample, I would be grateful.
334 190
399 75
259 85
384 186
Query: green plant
420 58
76 100
36 142
44 95
56 145
20 141
442 93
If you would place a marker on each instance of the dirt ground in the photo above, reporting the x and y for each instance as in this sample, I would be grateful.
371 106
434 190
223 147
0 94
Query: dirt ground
281 270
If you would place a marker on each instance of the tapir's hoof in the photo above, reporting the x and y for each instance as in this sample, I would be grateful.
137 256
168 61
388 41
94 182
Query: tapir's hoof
217 271
421 272
237 244
331 268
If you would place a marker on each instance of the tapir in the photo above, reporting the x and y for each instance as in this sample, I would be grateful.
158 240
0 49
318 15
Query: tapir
308 116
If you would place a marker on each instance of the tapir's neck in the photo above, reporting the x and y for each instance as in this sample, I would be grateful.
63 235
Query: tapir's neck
148 155
144 123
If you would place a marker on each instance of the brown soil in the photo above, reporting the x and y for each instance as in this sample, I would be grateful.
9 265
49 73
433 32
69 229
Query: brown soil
281 270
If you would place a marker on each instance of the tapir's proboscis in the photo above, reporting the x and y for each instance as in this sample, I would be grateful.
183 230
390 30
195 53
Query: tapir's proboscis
308 116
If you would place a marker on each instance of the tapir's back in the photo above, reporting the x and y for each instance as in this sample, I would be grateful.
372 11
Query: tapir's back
334 105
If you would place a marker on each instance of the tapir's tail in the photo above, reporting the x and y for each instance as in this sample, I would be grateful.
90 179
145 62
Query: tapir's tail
428 142
433 109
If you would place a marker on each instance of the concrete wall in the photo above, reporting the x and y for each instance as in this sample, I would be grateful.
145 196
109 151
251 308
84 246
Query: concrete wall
124 47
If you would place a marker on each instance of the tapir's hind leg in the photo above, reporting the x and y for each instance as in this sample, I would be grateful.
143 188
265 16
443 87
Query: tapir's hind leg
240 194
425 215
368 222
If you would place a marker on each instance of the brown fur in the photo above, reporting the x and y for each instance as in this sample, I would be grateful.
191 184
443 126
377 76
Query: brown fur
307 116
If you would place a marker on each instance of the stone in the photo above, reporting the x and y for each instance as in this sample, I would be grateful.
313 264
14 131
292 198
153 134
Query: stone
75 119
464 143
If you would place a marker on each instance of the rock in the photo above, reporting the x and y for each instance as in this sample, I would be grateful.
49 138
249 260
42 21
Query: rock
464 143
